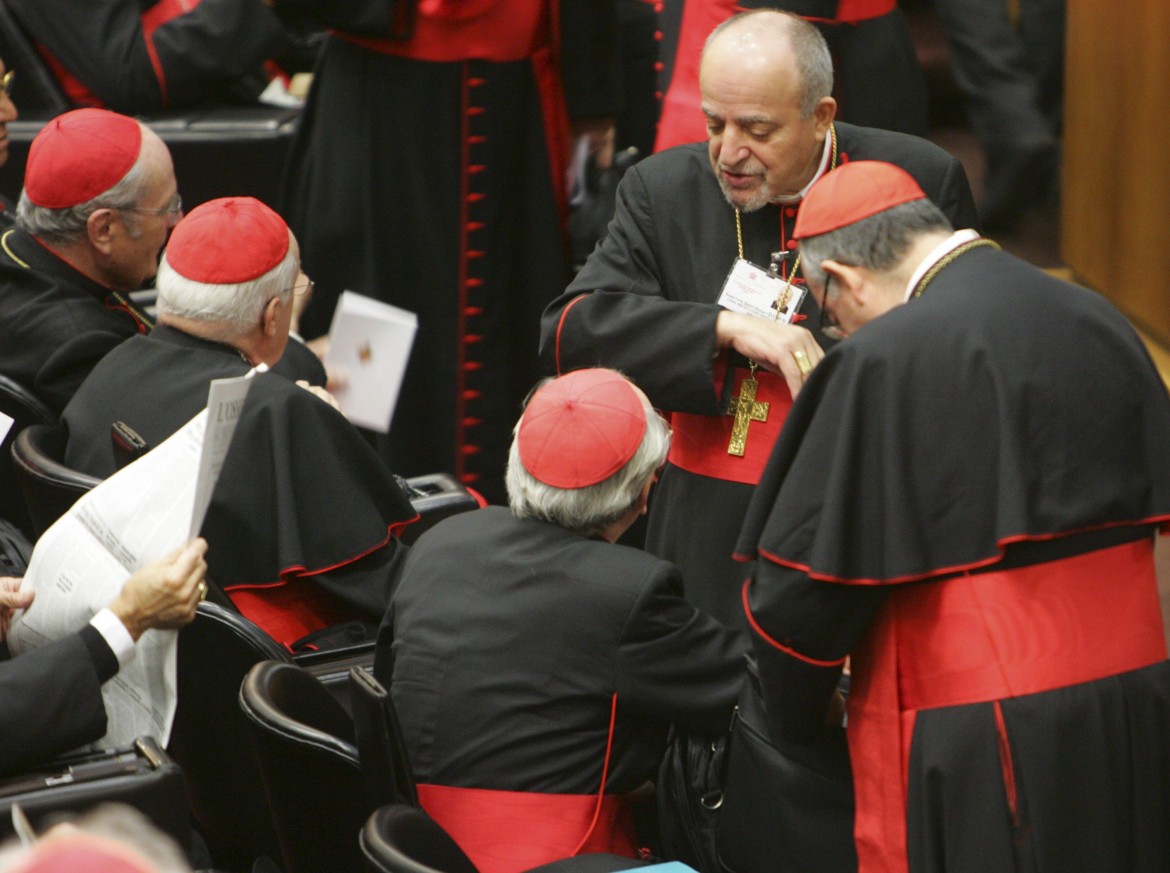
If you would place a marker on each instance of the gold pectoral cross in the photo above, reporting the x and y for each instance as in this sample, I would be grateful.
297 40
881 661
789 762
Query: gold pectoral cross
746 410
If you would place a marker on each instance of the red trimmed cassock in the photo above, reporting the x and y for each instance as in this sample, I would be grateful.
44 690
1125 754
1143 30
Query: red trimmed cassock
963 501
879 82
645 304
428 172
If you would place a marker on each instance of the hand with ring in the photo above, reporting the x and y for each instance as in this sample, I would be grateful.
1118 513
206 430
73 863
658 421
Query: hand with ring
164 593
802 362
788 349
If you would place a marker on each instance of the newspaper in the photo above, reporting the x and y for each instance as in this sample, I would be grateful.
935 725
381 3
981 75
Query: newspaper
142 513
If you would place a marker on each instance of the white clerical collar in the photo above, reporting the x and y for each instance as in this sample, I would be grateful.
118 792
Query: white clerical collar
936 254
800 195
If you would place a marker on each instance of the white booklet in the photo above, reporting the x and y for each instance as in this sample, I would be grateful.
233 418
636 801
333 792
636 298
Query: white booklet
143 512
369 346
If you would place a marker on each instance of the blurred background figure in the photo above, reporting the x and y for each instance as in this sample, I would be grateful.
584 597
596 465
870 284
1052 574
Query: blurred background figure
139 56
1007 59
878 80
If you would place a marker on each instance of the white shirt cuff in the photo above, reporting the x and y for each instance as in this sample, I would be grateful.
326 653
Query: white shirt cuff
115 635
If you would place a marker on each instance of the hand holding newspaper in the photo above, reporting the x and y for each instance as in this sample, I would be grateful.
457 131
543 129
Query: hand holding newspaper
141 513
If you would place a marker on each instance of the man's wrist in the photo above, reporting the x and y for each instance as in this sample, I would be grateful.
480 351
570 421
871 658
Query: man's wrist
728 324
119 637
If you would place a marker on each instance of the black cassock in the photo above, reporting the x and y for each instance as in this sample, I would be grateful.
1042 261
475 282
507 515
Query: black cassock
507 638
963 500
301 496
55 324
645 304
436 183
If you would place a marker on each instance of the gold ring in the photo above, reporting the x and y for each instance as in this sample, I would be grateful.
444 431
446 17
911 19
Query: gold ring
202 590
802 362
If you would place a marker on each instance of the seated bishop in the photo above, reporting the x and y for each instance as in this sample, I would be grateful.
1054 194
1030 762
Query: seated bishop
536 663
305 515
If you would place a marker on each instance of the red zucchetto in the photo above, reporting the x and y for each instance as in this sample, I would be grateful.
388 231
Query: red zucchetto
79 155
227 241
82 852
581 428
851 192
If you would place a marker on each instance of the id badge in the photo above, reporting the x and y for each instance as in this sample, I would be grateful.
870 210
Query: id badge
754 291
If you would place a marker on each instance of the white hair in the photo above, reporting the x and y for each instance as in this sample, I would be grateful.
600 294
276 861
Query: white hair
237 307
588 511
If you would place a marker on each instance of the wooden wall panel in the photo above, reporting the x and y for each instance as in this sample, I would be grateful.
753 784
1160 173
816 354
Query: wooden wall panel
1115 214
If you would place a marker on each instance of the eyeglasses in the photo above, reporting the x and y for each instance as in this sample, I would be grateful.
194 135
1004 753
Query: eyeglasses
307 288
6 82
829 325
172 210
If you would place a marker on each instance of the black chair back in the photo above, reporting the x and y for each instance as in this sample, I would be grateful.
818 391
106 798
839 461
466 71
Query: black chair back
24 408
209 737
304 742
385 763
49 487
435 496
401 838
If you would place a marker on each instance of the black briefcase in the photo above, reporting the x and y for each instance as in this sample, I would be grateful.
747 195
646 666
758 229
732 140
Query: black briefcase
141 775
784 810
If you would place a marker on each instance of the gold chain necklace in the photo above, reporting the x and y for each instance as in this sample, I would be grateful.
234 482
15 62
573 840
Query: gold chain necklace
948 259
744 405
8 251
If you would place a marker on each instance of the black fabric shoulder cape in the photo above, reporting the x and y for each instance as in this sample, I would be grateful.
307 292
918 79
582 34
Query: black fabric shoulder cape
300 492
1003 405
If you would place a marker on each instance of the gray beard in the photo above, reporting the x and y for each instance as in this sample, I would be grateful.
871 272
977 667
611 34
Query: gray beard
757 201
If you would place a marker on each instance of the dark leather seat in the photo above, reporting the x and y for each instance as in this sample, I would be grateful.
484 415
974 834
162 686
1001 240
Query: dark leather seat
24 408
304 742
401 838
49 487
435 496
386 768
209 739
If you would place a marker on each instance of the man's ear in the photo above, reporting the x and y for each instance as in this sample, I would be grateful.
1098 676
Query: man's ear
270 317
101 227
847 278
824 112
643 502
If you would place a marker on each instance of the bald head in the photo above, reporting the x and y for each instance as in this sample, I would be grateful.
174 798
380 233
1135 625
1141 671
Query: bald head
764 80
777 46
